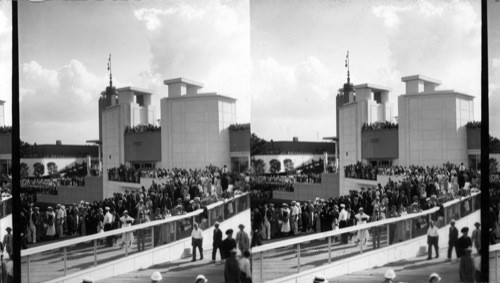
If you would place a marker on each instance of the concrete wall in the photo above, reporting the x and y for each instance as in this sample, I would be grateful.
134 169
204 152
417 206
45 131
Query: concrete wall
328 188
93 190
380 144
239 141
6 143
159 255
432 128
473 139
406 250
194 131
143 147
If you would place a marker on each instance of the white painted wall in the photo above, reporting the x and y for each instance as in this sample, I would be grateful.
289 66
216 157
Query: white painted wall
195 131
431 128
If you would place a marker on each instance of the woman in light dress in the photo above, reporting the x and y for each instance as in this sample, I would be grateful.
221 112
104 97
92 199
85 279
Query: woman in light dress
51 218
127 222
285 218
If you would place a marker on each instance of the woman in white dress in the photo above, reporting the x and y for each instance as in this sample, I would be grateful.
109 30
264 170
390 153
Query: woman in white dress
285 218
126 222
51 219
363 235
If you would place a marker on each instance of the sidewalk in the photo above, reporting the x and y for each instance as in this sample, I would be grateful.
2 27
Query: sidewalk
182 270
416 269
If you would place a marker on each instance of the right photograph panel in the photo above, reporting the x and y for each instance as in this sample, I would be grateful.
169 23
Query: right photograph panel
365 146
494 135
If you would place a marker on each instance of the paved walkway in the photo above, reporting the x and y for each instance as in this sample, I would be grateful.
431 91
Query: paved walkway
182 270
416 269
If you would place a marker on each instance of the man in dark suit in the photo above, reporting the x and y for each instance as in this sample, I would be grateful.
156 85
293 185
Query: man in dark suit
463 242
452 239
217 241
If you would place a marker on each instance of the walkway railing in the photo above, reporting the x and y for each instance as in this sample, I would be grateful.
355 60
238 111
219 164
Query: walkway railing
494 255
283 258
5 207
52 261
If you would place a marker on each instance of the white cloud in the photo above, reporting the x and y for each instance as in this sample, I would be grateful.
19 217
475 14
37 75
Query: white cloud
286 99
208 42
65 98
6 59
389 14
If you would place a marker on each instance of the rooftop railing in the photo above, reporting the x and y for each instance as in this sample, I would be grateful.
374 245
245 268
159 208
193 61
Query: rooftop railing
56 260
283 258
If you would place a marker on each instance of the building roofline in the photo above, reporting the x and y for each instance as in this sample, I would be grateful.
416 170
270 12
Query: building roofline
371 86
202 95
422 78
134 89
440 92
181 80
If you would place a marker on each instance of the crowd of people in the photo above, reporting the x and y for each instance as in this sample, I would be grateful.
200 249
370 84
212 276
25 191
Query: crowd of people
379 126
142 129
422 189
180 192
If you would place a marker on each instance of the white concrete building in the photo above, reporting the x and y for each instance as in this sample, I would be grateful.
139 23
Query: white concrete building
432 123
194 126
370 104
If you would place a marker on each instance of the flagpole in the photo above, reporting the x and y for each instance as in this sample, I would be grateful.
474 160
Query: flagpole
110 73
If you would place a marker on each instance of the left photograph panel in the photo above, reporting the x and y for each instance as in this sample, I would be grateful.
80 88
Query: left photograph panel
135 140
6 236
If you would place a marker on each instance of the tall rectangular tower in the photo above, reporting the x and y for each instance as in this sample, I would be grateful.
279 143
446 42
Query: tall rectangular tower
194 126
432 123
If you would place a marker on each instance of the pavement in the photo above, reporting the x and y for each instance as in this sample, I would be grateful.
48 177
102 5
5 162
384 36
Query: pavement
416 269
182 270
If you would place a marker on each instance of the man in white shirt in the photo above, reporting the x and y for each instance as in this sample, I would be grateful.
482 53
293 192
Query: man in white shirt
432 239
343 222
197 241
295 218
108 219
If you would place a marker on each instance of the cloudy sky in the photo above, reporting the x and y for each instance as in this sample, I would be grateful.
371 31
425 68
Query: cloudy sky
6 58
64 48
299 47
494 66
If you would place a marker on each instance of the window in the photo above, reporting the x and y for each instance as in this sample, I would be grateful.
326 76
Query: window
378 97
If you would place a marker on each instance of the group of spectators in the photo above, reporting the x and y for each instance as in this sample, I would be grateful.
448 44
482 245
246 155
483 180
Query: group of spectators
361 171
181 192
422 189
142 129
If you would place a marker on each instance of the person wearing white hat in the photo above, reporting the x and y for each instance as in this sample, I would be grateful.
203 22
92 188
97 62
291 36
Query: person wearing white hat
434 278
389 276
108 219
343 215
285 220
320 279
156 277
363 234
201 279
126 221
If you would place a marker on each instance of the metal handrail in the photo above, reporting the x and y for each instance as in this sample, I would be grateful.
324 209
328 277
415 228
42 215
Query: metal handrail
120 231
338 232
